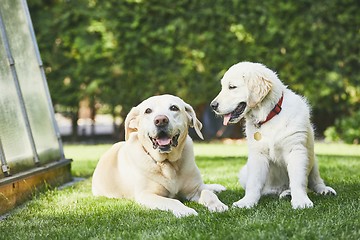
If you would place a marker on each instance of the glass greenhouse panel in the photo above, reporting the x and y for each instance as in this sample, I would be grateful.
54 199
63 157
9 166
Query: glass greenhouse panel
30 80
13 134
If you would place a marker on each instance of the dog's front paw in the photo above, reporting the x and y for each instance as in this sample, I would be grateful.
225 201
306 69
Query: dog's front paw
245 203
217 207
211 201
184 212
301 202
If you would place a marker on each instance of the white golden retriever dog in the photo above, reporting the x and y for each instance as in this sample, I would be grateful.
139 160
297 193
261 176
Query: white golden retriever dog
279 133
156 162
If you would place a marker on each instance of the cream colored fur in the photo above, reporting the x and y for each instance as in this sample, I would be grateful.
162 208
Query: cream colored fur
283 160
156 178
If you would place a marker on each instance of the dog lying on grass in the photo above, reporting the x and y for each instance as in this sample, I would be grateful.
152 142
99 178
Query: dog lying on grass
279 133
155 165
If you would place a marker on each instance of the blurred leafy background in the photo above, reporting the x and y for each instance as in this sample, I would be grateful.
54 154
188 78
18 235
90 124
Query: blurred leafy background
116 53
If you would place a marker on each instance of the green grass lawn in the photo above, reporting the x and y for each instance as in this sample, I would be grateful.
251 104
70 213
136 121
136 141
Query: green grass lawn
73 213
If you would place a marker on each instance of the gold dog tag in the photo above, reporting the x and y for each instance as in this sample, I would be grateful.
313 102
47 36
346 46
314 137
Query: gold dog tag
257 136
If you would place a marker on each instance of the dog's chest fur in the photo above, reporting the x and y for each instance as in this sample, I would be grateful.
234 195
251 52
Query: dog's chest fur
271 143
168 176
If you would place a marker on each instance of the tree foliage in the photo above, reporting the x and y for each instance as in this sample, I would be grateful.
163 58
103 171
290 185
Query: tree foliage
121 52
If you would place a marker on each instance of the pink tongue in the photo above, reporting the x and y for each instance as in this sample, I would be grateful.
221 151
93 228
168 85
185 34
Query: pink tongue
227 119
163 141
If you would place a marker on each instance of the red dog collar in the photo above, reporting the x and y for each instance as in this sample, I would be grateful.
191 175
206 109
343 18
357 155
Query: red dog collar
275 111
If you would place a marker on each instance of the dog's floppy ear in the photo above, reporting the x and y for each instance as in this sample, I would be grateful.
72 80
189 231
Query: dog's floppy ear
194 122
131 122
259 87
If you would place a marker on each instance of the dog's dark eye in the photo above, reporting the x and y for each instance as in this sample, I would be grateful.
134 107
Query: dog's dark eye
174 108
148 110
232 87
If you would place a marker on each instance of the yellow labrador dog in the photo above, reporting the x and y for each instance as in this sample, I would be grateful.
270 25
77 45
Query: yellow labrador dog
279 133
155 165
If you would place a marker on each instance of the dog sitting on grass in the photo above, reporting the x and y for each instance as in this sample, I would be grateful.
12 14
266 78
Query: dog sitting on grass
279 134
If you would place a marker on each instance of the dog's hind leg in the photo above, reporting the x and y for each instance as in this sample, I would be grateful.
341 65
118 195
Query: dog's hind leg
317 184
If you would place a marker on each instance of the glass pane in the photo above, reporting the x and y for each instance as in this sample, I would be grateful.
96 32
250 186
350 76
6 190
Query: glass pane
14 137
30 79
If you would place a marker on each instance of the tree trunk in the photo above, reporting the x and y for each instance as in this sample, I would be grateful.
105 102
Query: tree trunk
74 125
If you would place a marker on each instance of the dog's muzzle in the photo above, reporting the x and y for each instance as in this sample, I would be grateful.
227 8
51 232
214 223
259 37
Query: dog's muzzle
232 117
163 141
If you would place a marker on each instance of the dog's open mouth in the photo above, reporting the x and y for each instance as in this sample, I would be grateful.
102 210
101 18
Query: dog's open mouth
233 117
164 142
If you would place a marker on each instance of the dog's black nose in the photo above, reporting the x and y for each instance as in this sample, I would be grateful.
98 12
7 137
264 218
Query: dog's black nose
161 121
214 105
